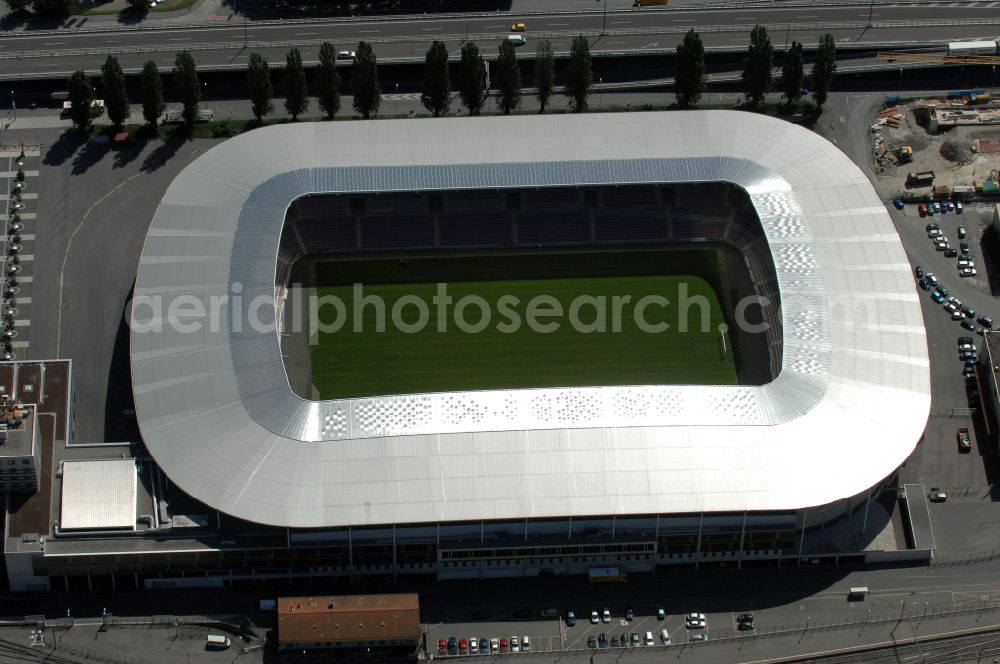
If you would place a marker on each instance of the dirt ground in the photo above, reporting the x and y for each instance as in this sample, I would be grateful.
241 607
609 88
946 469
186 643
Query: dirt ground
951 154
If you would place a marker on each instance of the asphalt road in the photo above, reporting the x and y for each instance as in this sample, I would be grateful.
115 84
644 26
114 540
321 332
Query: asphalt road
227 42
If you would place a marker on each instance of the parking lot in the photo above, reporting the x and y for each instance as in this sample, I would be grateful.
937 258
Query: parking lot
548 634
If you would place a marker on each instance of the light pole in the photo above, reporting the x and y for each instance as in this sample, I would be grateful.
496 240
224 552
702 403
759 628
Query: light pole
13 106
604 25
204 86
899 90
397 100
600 98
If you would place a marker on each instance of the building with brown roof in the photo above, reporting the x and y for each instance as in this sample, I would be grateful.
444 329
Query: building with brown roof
311 625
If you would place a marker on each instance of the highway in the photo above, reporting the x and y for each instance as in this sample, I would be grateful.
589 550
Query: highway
26 55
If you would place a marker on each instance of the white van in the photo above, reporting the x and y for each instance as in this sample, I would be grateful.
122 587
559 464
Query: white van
516 40
218 642
648 641
525 644
664 637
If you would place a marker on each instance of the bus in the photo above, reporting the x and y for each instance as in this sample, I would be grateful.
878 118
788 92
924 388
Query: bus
607 575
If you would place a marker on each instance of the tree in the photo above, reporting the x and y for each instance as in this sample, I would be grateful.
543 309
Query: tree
152 93
436 95
259 83
328 81
579 74
824 69
81 98
50 7
473 86
364 81
18 6
545 68
296 91
689 81
508 79
757 67
186 80
791 73
115 97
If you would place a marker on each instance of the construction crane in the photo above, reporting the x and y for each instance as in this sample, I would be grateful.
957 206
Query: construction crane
939 58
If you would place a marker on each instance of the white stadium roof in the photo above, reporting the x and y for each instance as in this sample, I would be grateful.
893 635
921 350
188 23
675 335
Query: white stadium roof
98 494
847 408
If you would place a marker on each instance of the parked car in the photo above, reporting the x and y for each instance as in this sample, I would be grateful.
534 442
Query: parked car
922 209
964 247
494 645
660 613
966 354
949 205
484 646
648 639
961 232
958 207
944 290
591 642
968 312
571 619
966 346
965 262
698 637
934 232
744 626
503 645
602 642
967 272
950 253
614 642
986 321
452 646
606 615
937 296
919 271
635 638
942 246
473 645
957 315
463 647
442 647
933 227
932 279
898 203
952 307
936 207
938 496
515 645
629 614
967 340
969 325
595 617
924 284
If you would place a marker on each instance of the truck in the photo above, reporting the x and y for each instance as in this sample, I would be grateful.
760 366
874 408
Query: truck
648 3
920 178
941 191
964 442
974 48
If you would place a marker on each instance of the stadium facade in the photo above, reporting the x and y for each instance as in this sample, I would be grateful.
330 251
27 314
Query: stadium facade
511 482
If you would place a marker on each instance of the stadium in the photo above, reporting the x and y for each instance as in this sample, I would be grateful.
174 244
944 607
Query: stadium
280 450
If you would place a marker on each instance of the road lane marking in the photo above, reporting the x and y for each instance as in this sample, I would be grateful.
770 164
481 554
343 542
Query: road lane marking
180 39
305 34
53 43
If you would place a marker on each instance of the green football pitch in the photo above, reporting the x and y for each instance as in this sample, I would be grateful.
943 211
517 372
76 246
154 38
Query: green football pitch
576 334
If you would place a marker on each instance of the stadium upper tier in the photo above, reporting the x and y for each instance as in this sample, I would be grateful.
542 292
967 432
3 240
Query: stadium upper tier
216 411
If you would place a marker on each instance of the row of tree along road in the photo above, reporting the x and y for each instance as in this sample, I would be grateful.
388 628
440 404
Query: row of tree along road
437 92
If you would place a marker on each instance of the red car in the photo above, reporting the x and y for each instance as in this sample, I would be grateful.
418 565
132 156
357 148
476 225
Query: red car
503 645
923 209
463 647
442 647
